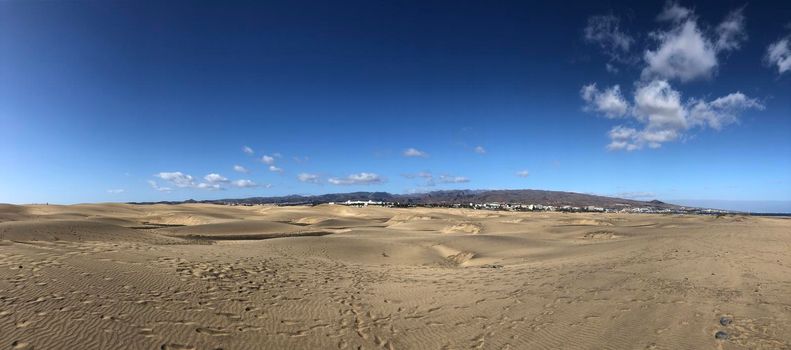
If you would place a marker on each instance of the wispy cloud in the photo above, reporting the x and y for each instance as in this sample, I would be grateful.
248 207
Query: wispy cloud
635 195
523 173
449 179
422 174
299 159
243 183
275 169
156 187
412 152
116 191
425 176
240 169
779 54
247 150
357 179
309 178
479 150
267 159
609 102
606 32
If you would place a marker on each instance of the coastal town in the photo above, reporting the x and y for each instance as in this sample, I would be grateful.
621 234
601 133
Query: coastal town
626 208
496 206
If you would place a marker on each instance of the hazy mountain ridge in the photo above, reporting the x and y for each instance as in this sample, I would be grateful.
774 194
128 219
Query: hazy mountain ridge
555 198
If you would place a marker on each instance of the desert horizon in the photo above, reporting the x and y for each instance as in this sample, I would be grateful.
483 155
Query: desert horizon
412 174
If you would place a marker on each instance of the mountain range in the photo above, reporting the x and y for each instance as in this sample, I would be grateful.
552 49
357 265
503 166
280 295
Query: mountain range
554 198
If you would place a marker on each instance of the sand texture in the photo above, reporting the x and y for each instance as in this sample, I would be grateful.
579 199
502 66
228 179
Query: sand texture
115 276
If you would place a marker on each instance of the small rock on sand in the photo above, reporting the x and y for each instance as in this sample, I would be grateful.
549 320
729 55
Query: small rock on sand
721 335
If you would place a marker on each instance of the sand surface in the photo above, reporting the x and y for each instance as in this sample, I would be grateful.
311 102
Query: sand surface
114 276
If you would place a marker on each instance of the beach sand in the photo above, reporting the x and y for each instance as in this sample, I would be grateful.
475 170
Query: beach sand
200 276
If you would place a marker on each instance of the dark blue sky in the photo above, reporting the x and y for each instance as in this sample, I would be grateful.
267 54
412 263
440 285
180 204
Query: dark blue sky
100 99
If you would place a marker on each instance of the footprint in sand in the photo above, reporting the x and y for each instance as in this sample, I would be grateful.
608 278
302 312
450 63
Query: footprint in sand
20 345
177 347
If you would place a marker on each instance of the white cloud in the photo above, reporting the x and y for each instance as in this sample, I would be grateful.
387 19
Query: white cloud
309 178
659 106
605 31
357 179
665 117
685 52
215 178
155 186
240 169
479 150
609 102
209 186
275 169
721 111
181 180
116 191
177 178
658 114
269 160
247 150
447 179
244 183
412 152
523 173
620 137
779 54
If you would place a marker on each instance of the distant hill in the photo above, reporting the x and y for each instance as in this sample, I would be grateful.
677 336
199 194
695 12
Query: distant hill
555 198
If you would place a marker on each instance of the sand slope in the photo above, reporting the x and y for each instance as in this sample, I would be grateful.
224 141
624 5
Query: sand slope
107 276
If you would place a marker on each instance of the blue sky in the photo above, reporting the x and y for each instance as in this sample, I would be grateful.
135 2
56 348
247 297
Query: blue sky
143 101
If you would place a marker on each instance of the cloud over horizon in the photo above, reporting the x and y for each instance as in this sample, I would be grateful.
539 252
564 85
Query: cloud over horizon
663 116
243 183
357 179
309 178
211 182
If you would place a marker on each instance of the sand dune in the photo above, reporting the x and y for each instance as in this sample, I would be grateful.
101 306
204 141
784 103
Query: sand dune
108 276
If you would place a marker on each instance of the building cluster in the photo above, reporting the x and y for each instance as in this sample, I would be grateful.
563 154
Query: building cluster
619 208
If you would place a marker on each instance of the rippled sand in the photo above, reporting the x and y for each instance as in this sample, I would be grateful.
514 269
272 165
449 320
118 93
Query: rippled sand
112 276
